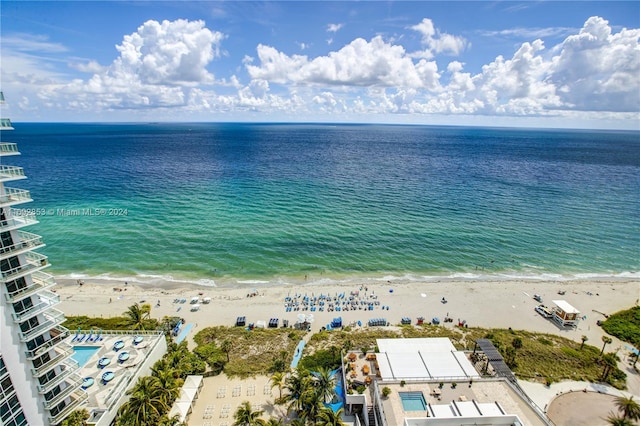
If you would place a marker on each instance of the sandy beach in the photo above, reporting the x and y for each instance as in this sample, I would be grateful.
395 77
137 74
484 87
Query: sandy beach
499 304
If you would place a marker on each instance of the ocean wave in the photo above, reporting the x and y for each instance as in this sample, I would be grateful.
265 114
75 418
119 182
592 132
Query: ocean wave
158 280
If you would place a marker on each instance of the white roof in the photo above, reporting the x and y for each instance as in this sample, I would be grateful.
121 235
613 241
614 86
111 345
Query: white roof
562 304
489 408
187 394
467 408
181 409
422 358
192 382
442 410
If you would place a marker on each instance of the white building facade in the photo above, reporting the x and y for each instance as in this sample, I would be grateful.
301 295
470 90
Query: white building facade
39 382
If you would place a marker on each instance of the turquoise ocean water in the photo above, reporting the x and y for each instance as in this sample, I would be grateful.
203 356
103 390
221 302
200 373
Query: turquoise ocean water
240 204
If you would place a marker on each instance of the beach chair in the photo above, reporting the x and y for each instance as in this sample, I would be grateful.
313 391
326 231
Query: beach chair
237 390
266 390
222 392
208 412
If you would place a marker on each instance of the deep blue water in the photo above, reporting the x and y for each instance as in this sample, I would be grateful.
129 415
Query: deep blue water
266 202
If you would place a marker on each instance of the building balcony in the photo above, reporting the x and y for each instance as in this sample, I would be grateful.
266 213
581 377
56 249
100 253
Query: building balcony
48 299
28 241
52 318
39 281
12 196
77 398
8 173
68 375
63 352
61 395
17 221
5 124
33 262
9 148
58 334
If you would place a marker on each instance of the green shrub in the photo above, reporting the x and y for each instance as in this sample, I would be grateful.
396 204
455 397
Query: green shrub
625 325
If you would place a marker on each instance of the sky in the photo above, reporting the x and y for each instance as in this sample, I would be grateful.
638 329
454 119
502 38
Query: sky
569 64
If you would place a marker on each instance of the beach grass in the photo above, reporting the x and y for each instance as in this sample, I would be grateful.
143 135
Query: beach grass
250 352
542 357
625 325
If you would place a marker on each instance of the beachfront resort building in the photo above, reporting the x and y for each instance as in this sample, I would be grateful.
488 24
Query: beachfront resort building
430 383
46 372
39 383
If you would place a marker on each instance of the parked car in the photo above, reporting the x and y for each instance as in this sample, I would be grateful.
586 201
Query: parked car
537 298
543 310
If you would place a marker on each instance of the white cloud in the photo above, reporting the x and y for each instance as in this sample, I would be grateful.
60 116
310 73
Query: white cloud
89 67
24 42
171 52
165 68
154 66
333 28
360 63
598 70
530 33
439 42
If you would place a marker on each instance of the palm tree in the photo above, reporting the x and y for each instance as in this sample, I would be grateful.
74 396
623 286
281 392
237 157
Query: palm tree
325 383
274 422
297 384
610 362
311 404
606 340
328 417
245 416
614 420
168 383
278 379
584 339
137 314
226 346
630 408
76 418
146 404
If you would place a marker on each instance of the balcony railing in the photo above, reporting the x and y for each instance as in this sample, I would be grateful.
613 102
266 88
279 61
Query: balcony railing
28 241
77 398
11 173
9 148
58 333
13 196
60 396
39 281
48 299
5 124
17 221
63 352
33 262
68 374
53 317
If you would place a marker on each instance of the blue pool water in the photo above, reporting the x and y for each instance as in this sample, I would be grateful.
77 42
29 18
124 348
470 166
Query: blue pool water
413 401
82 354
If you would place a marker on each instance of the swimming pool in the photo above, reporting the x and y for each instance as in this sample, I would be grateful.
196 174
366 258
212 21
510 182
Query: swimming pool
413 401
82 354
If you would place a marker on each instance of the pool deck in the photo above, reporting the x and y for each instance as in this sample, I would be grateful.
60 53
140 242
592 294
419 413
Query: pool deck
102 395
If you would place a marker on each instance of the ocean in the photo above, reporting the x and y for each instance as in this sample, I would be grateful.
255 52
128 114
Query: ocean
247 204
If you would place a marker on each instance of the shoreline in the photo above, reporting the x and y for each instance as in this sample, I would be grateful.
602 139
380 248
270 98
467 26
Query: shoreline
171 282
487 304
